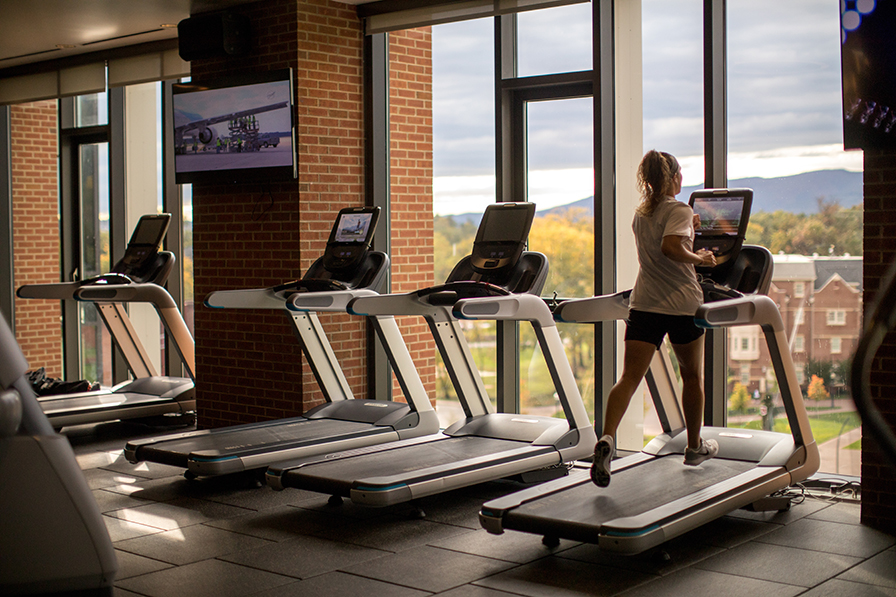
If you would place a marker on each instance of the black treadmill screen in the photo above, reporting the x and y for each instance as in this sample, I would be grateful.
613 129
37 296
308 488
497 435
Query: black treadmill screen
719 216
353 228
505 225
149 231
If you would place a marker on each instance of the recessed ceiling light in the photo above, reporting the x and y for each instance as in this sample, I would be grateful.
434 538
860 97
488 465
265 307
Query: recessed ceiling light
168 25
66 46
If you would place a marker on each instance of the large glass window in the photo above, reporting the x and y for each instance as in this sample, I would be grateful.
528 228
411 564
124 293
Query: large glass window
542 51
463 173
785 142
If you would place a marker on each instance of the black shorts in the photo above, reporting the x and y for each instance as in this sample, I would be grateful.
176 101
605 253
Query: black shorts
653 327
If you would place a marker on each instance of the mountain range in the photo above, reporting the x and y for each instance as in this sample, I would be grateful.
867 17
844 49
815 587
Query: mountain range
798 193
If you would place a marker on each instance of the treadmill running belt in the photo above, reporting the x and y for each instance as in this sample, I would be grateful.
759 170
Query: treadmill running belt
631 492
251 440
338 474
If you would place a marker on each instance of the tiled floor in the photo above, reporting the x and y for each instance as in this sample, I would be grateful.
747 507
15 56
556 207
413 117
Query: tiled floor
228 537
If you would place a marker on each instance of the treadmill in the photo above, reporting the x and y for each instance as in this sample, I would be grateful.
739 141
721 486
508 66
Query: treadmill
653 497
347 270
498 281
53 539
136 278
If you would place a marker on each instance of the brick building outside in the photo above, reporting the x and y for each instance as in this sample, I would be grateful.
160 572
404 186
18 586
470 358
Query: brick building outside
820 299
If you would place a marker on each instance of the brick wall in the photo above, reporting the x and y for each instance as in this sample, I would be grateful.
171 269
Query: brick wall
36 230
410 131
878 489
249 364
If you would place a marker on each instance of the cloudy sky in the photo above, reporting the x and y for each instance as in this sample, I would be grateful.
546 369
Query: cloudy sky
784 100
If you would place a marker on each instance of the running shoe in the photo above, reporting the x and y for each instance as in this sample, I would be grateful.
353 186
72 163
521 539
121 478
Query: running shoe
708 449
604 451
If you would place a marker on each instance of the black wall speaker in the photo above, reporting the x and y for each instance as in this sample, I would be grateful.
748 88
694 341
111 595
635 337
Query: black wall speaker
214 35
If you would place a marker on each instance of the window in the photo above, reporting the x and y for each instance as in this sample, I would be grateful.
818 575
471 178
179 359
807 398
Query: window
836 345
744 343
836 317
799 289
745 375
799 344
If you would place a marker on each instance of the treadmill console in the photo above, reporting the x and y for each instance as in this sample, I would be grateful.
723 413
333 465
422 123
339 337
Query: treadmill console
502 236
350 238
145 242
724 214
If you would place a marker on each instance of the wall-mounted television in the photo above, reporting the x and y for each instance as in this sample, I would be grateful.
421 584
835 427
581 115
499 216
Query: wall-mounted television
868 55
237 129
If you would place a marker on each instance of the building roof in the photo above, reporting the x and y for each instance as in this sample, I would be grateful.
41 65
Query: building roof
849 268
793 268
818 269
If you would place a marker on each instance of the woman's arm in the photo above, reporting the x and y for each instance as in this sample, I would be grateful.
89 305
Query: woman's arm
673 248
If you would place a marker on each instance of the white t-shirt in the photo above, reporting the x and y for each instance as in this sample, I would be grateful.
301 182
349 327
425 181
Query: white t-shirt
663 285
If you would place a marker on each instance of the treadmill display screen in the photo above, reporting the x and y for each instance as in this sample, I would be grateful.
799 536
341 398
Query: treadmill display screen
149 231
719 216
353 228
505 225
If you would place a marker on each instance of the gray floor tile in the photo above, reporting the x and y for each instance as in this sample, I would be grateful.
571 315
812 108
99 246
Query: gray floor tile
879 570
560 577
209 578
844 588
109 501
178 513
702 583
795 513
146 470
130 565
728 532
840 512
830 537
474 591
98 478
304 557
665 559
281 523
119 529
429 568
156 490
339 584
96 458
189 544
787 565
392 533
509 546
262 497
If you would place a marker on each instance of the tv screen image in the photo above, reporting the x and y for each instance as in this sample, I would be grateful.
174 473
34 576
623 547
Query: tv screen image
232 131
353 228
719 216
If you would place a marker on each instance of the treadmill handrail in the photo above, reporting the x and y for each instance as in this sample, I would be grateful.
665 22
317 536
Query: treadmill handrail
761 310
331 301
164 304
606 307
409 303
53 290
531 308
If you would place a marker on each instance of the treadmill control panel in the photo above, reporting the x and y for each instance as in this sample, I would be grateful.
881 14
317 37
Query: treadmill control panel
145 242
502 235
350 238
724 214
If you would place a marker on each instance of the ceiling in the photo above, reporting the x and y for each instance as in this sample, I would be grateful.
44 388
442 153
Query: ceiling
41 30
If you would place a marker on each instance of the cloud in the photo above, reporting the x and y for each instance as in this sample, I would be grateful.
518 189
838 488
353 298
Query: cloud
783 92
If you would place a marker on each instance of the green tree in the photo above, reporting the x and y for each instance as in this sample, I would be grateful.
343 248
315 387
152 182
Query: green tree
739 401
832 230
817 391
